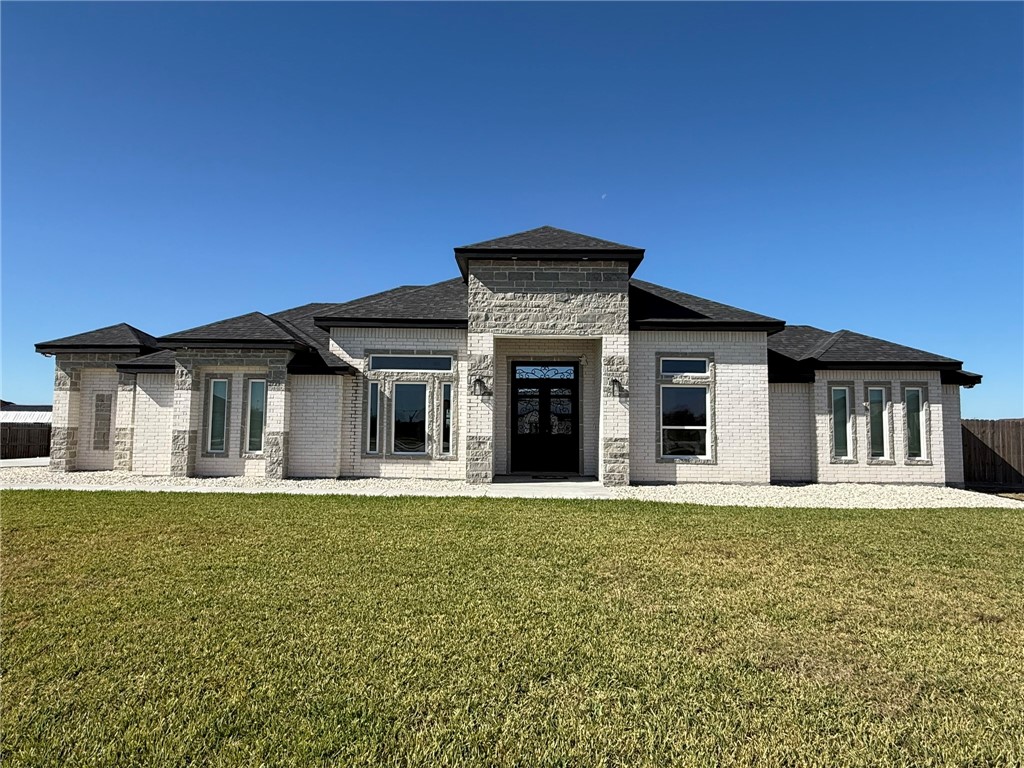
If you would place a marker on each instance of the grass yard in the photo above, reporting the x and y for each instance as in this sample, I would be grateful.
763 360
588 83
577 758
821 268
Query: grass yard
212 629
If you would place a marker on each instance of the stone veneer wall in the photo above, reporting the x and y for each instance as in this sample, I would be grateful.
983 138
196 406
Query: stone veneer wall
896 468
194 367
66 432
791 422
354 346
529 298
738 423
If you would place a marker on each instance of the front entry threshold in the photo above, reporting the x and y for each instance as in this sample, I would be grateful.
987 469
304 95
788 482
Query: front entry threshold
544 477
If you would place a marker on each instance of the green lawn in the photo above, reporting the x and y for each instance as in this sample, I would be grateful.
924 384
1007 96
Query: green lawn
172 629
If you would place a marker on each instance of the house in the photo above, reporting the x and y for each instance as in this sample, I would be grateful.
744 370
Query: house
544 356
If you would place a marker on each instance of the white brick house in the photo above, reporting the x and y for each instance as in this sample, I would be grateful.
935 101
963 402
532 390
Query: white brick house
546 357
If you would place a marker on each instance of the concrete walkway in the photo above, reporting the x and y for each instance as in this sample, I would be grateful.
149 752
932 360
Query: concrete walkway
42 461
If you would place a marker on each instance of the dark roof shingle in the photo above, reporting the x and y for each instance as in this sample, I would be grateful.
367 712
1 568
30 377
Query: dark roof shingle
547 239
654 306
120 336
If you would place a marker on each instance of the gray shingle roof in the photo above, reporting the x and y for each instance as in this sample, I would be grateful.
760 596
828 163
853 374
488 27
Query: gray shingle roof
252 328
802 343
120 336
654 306
547 239
443 303
155 362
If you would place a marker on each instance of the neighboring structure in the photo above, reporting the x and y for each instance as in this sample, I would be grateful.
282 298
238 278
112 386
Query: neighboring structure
24 430
545 357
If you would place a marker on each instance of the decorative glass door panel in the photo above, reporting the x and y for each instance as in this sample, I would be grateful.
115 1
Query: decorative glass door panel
545 417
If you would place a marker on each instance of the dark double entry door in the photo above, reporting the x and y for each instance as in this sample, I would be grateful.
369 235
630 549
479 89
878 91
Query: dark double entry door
545 417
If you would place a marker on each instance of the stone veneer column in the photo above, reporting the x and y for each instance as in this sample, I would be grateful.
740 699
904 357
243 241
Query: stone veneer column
124 441
185 422
275 442
614 464
67 383
480 409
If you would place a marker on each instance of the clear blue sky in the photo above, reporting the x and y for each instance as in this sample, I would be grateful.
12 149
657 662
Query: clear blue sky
841 165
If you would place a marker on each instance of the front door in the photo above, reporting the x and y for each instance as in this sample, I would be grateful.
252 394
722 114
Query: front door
545 417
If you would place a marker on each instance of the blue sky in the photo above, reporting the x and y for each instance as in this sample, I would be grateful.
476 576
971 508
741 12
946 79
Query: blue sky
841 165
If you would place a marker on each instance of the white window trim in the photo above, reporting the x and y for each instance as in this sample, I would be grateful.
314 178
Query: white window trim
248 415
447 386
706 427
705 374
209 416
922 424
369 407
426 418
449 369
886 442
849 422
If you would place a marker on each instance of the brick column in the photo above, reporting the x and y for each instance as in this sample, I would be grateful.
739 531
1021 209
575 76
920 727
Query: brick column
613 467
480 410
185 422
64 428
124 421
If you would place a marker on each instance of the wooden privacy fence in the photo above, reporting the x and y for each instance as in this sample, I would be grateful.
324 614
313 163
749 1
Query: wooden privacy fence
24 441
994 452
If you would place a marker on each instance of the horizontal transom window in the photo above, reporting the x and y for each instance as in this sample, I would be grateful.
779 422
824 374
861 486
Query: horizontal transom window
672 366
410 362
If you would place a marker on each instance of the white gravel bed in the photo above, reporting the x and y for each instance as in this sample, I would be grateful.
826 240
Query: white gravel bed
862 496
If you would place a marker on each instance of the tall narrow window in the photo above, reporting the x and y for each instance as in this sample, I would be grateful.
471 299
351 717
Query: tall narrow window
876 422
372 421
410 418
257 414
841 422
217 427
684 421
446 419
915 413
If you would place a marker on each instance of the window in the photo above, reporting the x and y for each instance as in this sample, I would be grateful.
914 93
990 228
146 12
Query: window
876 422
372 422
410 418
446 419
841 437
218 419
257 416
410 363
914 399
671 366
684 421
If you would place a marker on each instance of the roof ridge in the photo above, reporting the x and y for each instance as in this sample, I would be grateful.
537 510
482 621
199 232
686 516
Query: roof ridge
824 345
290 329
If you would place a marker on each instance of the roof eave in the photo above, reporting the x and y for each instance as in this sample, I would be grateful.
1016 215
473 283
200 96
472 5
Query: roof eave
177 344
769 326
632 255
326 323
45 348
887 365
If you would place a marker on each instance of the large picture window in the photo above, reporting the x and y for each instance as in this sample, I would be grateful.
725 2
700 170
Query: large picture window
410 418
914 399
841 437
257 416
684 421
218 416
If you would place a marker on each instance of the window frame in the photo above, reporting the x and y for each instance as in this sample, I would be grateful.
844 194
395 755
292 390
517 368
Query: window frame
886 455
449 369
248 415
373 400
665 357
211 386
922 420
851 449
447 387
426 417
661 420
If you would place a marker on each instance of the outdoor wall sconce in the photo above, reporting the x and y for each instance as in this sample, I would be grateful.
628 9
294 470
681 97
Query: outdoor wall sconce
480 388
617 389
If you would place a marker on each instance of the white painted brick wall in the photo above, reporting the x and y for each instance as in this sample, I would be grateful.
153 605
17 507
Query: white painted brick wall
154 416
741 406
352 345
96 381
952 434
314 449
860 471
791 432
587 352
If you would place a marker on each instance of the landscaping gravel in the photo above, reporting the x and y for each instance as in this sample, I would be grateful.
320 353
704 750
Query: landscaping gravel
861 496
